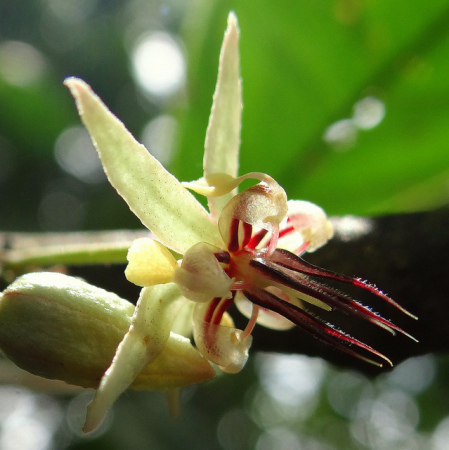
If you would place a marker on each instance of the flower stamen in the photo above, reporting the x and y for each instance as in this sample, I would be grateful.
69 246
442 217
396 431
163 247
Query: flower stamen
329 296
288 260
252 322
273 240
323 331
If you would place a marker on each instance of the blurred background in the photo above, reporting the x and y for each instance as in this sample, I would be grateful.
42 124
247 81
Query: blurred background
345 103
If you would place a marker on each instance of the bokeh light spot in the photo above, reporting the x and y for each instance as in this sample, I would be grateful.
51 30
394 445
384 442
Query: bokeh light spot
345 390
76 154
414 374
440 437
28 421
341 134
21 64
368 113
279 439
387 422
349 228
158 64
279 375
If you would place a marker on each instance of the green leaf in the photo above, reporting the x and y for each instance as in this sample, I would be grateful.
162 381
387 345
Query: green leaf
304 67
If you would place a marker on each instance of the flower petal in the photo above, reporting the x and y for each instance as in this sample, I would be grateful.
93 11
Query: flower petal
183 322
262 206
223 132
155 196
200 277
146 338
310 221
220 344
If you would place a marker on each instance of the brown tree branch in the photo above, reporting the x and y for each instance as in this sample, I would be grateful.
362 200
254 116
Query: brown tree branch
405 255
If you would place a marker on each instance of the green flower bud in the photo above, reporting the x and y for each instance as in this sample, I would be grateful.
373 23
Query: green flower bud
60 327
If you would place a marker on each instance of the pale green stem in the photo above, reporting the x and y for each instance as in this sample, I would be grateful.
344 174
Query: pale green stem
21 251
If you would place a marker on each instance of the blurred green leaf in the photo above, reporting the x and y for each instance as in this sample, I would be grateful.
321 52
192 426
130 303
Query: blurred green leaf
304 66
32 117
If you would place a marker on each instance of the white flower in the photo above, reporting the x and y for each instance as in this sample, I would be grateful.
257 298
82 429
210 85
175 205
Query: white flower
244 251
